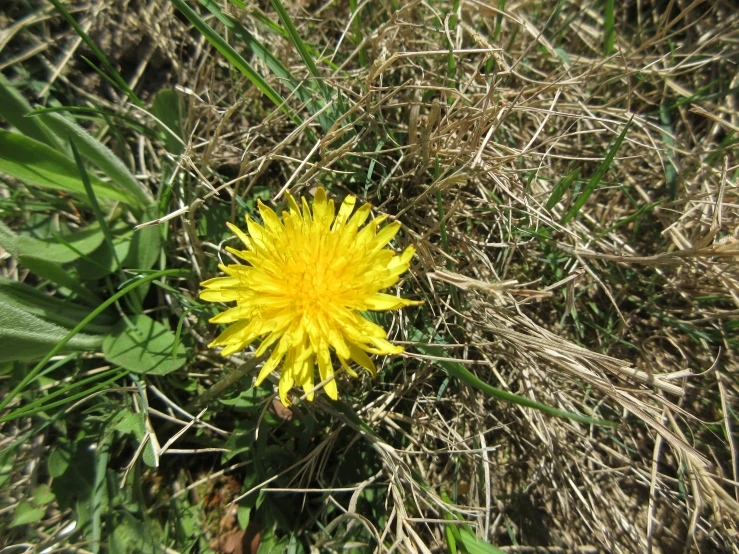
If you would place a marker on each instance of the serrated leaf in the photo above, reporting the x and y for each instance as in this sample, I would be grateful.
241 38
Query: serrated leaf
241 439
26 513
145 348
38 164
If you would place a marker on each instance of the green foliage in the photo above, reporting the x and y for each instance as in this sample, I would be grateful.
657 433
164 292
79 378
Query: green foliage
235 58
38 164
143 345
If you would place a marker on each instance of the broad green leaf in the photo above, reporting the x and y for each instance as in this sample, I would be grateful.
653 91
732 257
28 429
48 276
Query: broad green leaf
23 336
26 513
103 261
38 164
64 250
55 273
51 308
73 465
145 348
25 250
96 152
146 244
14 108
43 495
167 107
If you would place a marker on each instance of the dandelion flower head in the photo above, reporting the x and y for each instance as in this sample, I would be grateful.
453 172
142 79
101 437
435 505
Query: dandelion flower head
306 279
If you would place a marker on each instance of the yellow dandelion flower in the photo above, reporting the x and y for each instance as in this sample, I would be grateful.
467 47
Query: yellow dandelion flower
308 277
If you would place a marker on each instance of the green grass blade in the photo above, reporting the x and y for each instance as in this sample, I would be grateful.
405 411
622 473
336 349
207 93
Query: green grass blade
457 370
45 403
597 176
259 50
112 73
301 47
97 311
235 58
561 188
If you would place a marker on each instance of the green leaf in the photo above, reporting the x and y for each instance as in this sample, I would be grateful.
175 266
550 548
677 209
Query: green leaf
96 152
31 375
561 188
130 422
105 261
26 513
23 336
38 164
14 108
241 440
43 495
72 465
73 245
473 545
130 536
455 369
167 108
25 250
145 348
145 247
51 308
609 32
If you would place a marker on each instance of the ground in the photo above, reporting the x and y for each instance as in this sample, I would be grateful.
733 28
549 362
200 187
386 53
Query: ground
567 173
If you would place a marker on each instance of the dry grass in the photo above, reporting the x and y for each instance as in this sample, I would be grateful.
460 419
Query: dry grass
626 311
